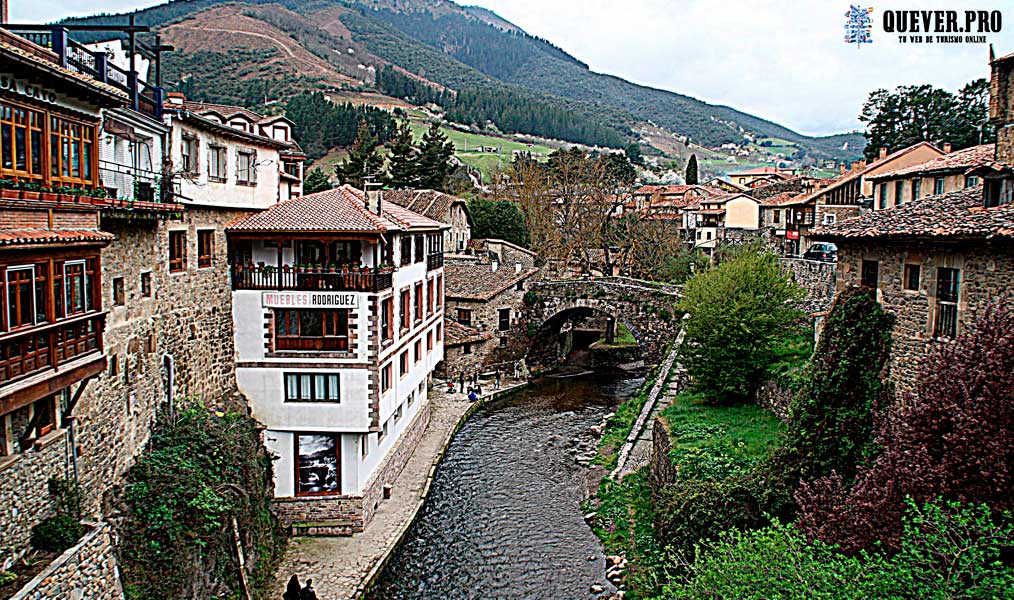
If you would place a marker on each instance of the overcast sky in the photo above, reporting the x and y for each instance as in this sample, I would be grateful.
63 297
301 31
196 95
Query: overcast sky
783 60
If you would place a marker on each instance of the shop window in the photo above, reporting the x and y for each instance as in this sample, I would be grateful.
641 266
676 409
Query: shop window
317 464
177 251
912 273
312 387
205 248
312 330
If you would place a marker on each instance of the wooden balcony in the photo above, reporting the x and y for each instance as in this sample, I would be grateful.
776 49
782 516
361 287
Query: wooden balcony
312 344
255 277
40 348
434 261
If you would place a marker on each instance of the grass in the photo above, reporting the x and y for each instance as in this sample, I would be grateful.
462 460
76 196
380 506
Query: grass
622 422
623 336
465 144
791 355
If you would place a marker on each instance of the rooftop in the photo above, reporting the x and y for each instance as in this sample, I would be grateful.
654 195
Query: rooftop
956 215
341 209
478 281
457 334
960 160
16 237
430 203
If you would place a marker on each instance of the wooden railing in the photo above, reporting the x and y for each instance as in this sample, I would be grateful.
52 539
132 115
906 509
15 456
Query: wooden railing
25 353
434 261
312 344
255 277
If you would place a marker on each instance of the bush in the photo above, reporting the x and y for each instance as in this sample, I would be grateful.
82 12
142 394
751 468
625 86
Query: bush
739 311
57 533
7 578
948 552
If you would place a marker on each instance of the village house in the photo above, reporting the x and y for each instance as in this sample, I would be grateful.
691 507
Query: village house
445 208
485 308
762 175
940 175
725 185
338 304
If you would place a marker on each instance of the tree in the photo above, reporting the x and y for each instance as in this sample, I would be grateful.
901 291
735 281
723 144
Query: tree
691 173
634 155
618 169
918 113
951 438
362 162
738 311
499 219
403 161
434 163
316 181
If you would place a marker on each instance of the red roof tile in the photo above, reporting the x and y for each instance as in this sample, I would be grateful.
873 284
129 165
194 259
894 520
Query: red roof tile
14 237
478 281
960 161
457 334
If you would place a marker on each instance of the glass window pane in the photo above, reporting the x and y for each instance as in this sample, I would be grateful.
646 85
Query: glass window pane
304 387
332 388
291 387
319 381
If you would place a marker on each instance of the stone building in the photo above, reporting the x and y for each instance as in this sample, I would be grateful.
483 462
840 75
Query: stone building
445 208
337 300
948 173
485 309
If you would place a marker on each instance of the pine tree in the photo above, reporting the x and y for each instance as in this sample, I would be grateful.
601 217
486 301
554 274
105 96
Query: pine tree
435 154
316 181
363 162
403 162
691 175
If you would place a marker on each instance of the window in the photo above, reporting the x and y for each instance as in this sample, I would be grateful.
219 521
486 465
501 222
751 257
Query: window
429 340
504 319
899 191
465 317
406 310
440 331
403 363
119 294
429 296
317 464
385 377
418 350
188 157
146 284
776 216
938 186
971 181
419 248
383 432
883 195
71 152
312 330
911 282
398 414
205 247
503 341
21 298
177 251
405 242
216 163
947 302
410 399
78 278
246 167
466 349
916 188
440 290
418 302
21 134
829 219
520 286
364 445
311 387
870 273
386 319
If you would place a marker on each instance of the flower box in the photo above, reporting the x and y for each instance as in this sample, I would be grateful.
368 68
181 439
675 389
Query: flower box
10 194
50 196
30 195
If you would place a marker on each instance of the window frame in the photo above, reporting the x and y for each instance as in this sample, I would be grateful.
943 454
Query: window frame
250 173
205 248
218 154
865 270
336 439
947 305
911 271
178 246
331 396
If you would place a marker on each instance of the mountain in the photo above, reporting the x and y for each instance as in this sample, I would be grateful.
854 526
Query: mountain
279 47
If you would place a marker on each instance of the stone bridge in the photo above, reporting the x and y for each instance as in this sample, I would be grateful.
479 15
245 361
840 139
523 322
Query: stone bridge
647 309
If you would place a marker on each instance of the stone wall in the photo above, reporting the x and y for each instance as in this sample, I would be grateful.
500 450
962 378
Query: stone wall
506 348
88 571
816 277
661 471
186 320
986 275
345 515
798 185
24 491
775 397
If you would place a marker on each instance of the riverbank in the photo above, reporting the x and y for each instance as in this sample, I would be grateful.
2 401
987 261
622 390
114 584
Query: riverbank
344 567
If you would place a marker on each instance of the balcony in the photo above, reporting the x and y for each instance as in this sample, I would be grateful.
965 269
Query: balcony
312 344
434 261
40 348
256 277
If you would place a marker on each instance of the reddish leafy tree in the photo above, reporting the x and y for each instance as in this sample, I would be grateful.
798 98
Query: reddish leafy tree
952 438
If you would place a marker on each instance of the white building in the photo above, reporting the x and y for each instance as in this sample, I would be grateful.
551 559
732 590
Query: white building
230 157
338 309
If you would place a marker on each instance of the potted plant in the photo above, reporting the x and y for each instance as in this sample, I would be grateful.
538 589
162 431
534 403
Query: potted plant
332 268
49 195
30 190
9 189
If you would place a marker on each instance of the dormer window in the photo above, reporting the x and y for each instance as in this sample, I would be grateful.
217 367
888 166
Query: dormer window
238 124
280 133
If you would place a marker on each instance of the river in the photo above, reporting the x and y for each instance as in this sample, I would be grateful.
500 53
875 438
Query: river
503 517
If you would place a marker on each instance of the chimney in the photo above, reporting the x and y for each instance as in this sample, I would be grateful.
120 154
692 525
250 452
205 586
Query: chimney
947 147
175 98
517 267
373 196
883 152
495 265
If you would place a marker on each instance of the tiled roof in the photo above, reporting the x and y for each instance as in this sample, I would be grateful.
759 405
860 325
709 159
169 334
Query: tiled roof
710 211
859 172
457 334
672 190
957 214
227 130
960 160
13 47
783 199
14 237
433 204
226 111
478 281
338 210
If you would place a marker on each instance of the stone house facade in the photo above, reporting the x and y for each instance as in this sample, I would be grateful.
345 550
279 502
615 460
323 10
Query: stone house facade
948 173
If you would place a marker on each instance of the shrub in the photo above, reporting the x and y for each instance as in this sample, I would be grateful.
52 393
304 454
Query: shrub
7 578
951 438
948 551
738 312
57 533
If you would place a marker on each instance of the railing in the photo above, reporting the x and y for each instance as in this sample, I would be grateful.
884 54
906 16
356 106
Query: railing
947 319
48 346
255 277
312 344
434 261
129 182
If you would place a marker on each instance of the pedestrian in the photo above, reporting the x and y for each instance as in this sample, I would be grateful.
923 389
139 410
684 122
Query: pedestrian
496 383
472 396
461 381
292 591
450 386
308 593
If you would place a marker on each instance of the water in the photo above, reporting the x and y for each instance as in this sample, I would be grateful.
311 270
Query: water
503 517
